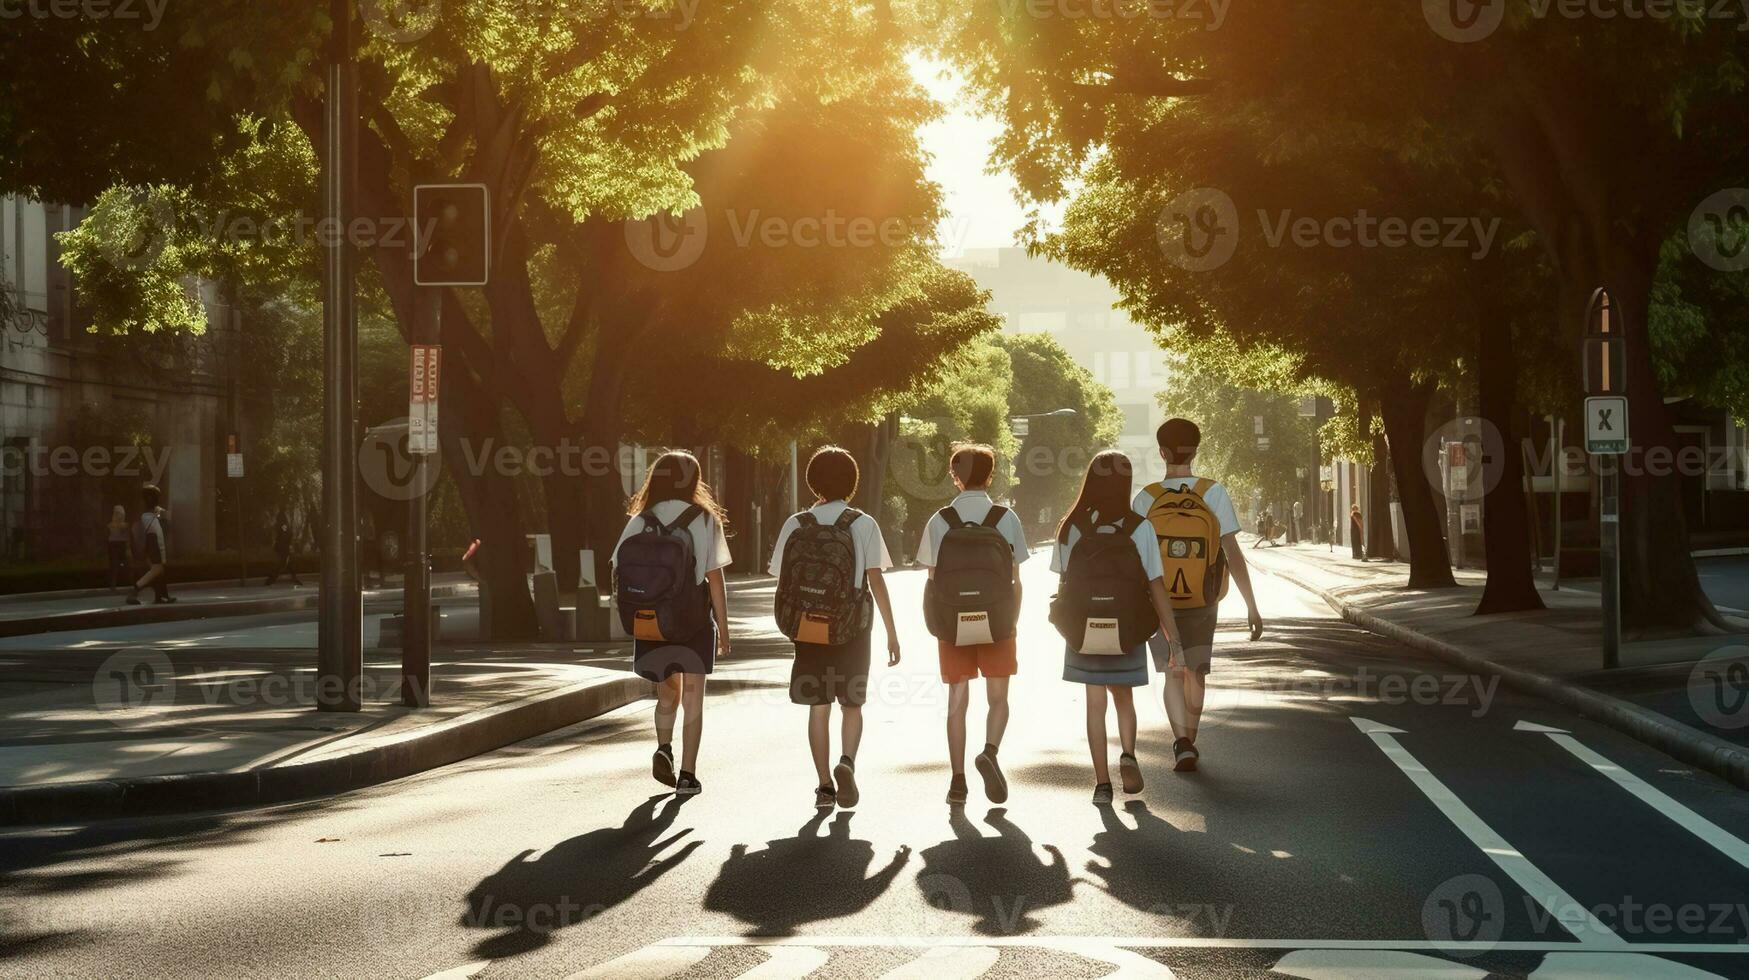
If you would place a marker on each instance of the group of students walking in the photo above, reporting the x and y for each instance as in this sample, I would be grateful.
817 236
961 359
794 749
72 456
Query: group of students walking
1142 574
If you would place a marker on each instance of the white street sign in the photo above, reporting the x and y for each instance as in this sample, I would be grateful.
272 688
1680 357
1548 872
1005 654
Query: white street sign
422 406
1606 425
234 466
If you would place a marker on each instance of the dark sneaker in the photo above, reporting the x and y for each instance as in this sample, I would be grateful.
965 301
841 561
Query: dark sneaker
1184 756
662 766
825 798
687 785
164 601
1131 772
995 785
956 790
844 774
1102 794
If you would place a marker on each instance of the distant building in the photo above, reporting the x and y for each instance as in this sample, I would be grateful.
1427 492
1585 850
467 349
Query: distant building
1033 295
77 411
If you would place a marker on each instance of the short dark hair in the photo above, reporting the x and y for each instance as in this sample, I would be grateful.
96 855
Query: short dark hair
832 473
974 463
150 495
1179 439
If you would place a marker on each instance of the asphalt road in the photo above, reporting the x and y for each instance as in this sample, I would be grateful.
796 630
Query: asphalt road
1361 811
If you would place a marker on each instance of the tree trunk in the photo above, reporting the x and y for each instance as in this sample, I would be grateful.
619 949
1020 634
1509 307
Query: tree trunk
1403 407
1511 585
1380 542
490 500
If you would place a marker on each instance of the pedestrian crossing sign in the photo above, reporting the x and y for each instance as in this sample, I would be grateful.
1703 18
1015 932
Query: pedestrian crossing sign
1606 425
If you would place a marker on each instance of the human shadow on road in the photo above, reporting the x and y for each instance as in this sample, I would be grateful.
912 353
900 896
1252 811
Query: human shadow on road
999 881
1129 865
527 901
801 879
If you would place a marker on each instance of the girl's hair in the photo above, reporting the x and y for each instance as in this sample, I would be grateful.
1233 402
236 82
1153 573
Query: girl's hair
1105 490
832 474
676 476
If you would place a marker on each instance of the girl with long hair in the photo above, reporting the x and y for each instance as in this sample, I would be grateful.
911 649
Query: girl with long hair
678 666
1104 507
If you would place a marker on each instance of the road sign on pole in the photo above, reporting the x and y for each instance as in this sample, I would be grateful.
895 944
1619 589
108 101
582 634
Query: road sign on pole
1604 357
427 360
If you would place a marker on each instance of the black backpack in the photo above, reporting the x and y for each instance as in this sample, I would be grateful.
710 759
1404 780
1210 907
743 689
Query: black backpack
654 581
973 585
1102 606
818 600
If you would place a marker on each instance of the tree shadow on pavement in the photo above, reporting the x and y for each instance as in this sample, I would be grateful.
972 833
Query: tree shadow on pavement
528 900
802 879
998 881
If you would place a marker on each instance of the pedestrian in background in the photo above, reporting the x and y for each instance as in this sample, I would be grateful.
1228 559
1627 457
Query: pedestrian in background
675 510
829 561
282 549
1356 532
119 571
151 546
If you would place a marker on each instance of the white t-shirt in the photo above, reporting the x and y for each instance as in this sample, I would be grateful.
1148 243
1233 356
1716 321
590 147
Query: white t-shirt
871 548
710 546
973 506
1217 499
1147 546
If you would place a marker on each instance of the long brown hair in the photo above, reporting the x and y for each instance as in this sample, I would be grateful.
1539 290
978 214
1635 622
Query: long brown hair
1105 490
676 475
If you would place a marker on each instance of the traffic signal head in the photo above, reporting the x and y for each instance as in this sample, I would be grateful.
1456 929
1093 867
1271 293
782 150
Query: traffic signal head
452 235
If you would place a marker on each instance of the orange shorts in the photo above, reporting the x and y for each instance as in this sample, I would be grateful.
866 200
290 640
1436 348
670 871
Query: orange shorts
966 663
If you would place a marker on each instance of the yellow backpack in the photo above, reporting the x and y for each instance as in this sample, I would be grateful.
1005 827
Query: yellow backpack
1190 544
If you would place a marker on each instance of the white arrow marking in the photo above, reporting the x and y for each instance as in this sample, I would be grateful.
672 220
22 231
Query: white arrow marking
649 963
1653 797
1577 919
787 963
946 963
1384 964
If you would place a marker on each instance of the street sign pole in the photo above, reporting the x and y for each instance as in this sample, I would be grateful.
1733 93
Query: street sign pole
340 640
1604 357
1610 560
416 577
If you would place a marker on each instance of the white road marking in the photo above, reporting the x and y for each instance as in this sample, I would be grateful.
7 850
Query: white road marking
1089 945
1366 964
1648 794
461 972
1566 910
1615 966
650 963
788 963
946 963
1130 965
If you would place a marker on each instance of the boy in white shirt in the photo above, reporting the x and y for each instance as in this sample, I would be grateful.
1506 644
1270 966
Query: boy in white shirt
824 673
973 467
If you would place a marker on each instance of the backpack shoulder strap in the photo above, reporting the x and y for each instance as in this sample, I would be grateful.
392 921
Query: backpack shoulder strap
1127 526
650 521
686 518
997 512
850 516
951 516
1155 490
806 519
1203 486
1082 522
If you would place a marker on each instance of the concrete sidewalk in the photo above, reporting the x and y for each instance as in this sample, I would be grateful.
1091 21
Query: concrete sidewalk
108 733
1687 696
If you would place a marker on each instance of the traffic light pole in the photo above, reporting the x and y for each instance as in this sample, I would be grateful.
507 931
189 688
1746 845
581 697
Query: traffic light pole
340 643
416 580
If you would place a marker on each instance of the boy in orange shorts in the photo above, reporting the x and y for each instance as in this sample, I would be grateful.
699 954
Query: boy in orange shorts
980 639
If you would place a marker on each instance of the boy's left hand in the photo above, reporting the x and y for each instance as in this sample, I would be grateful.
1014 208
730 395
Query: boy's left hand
892 651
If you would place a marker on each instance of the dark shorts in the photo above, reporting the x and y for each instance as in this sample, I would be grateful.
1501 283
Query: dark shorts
989 659
824 674
1197 631
657 662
